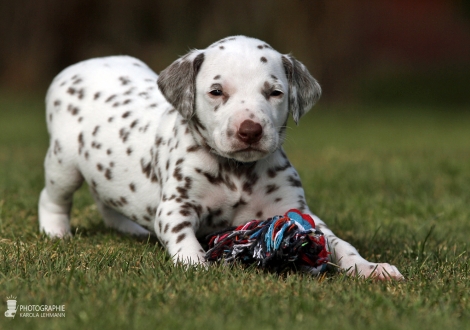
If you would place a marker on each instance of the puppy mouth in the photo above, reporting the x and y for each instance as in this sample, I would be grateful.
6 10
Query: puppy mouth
248 154
249 149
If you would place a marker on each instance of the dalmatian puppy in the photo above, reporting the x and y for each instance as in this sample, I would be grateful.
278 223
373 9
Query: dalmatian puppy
183 154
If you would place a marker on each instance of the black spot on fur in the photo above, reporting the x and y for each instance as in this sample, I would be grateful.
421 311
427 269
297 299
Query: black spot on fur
272 172
132 187
250 182
124 134
271 188
124 80
81 143
294 182
239 203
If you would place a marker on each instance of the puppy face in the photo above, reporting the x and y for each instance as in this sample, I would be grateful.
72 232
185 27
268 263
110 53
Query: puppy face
238 93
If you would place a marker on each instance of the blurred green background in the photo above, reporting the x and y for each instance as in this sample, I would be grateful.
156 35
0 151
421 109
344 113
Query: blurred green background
391 51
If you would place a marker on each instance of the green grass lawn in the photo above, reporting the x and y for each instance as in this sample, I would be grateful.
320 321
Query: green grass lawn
395 182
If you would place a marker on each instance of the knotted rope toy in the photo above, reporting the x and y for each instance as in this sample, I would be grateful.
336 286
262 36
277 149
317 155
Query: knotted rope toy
283 241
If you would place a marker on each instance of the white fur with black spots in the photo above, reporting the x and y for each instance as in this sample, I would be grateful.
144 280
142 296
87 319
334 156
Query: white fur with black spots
182 154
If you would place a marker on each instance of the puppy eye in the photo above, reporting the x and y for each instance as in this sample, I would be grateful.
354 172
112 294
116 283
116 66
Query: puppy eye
276 93
216 92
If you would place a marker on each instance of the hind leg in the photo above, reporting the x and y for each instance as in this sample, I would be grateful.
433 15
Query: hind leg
114 219
56 198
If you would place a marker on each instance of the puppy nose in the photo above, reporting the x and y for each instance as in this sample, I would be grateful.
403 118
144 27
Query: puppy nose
250 132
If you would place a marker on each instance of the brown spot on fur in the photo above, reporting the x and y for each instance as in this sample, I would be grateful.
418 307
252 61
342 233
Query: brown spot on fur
177 174
181 226
109 99
180 238
95 130
185 212
193 148
134 123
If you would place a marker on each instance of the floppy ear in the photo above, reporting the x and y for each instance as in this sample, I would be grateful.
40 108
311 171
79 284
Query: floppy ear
178 82
304 90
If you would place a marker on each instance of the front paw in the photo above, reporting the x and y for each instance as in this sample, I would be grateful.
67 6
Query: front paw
190 258
379 271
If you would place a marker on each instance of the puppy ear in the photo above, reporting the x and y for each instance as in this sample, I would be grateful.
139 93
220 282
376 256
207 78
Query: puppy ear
304 90
178 82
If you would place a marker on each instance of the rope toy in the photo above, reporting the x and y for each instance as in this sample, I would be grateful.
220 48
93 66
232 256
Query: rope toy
283 241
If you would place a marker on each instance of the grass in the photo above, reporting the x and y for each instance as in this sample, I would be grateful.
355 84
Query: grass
395 182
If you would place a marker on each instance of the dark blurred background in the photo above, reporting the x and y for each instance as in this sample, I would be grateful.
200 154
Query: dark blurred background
393 51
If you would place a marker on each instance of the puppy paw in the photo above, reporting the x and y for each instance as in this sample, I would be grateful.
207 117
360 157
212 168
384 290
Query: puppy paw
379 271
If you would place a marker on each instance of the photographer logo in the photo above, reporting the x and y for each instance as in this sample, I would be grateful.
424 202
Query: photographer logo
43 311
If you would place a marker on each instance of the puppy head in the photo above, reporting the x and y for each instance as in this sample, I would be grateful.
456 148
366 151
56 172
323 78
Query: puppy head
237 95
